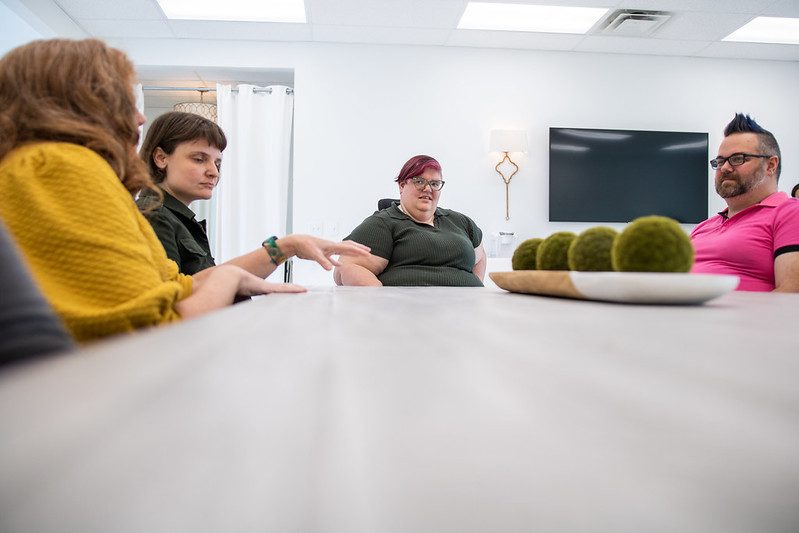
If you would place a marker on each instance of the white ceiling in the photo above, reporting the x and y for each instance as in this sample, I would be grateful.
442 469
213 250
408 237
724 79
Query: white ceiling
695 28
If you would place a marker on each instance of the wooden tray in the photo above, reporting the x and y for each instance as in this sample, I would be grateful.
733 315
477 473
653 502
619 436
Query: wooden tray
626 287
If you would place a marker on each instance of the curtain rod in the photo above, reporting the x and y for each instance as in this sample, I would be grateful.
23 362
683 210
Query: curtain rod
267 90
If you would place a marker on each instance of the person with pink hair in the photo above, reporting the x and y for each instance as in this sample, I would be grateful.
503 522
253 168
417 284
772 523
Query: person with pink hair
414 242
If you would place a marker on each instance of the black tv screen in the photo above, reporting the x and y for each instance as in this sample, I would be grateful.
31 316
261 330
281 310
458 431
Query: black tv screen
618 175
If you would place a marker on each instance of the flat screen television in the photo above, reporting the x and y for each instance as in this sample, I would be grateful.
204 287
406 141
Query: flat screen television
618 175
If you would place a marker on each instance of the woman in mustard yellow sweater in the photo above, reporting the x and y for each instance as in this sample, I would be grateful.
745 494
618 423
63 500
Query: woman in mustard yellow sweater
68 173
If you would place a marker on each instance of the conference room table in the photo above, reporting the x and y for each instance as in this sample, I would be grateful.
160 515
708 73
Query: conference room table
415 410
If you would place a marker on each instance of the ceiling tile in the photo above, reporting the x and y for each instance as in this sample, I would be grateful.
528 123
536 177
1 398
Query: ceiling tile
632 45
358 34
259 31
437 14
127 28
733 50
388 13
701 26
783 8
711 6
565 3
104 9
514 39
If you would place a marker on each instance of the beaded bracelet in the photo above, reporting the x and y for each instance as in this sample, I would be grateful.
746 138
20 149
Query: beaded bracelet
276 255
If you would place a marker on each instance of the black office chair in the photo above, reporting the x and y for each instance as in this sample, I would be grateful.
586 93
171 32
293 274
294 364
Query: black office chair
28 325
385 202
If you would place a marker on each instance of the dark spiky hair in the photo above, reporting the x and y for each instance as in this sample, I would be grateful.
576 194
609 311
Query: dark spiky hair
768 143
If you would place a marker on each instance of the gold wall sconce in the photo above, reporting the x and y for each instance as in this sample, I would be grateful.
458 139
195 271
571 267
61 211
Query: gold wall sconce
507 141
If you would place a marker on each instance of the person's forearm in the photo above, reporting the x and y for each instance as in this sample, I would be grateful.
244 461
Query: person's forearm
480 269
216 289
355 275
259 262
481 262
787 287
786 272
256 262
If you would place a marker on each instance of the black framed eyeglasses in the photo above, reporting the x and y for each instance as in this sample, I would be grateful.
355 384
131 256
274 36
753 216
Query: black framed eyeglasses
734 160
421 183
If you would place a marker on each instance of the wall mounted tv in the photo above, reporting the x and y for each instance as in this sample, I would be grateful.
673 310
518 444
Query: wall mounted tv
618 175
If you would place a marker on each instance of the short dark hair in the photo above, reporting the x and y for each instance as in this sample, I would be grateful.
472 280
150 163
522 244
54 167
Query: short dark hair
768 143
793 191
174 128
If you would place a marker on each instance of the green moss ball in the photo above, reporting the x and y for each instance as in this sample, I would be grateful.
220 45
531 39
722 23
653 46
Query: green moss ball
590 251
652 244
553 251
524 255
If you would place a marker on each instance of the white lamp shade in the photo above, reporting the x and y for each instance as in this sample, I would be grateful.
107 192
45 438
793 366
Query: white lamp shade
508 141
198 108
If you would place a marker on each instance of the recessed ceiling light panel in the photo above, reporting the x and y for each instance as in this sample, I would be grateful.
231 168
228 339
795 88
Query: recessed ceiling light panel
238 10
777 30
532 18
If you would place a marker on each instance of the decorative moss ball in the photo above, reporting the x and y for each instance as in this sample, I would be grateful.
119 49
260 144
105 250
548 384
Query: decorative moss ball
652 244
524 255
553 251
590 251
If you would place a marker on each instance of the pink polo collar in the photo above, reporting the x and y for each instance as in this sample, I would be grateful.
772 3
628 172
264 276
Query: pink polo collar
772 200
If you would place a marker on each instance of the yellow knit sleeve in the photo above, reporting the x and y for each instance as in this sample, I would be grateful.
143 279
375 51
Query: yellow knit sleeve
92 253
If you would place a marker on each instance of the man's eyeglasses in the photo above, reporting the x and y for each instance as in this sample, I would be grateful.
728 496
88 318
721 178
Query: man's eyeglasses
734 160
421 183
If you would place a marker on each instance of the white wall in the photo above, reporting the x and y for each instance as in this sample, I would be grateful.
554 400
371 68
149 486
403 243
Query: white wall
361 111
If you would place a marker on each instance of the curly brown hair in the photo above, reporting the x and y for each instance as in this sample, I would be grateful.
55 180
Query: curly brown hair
79 92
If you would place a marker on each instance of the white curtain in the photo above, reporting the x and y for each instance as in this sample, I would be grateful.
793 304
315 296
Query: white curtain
250 202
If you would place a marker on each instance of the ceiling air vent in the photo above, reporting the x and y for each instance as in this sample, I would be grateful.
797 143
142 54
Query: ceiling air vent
632 23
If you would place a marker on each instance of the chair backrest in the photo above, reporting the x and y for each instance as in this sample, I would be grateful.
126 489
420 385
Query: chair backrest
28 325
385 202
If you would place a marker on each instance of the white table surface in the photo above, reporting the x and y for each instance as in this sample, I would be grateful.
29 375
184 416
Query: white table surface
414 410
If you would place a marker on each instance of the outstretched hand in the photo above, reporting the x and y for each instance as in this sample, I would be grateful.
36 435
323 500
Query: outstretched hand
215 287
251 285
320 250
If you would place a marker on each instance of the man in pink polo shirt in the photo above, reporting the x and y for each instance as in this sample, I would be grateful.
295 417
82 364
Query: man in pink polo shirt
757 236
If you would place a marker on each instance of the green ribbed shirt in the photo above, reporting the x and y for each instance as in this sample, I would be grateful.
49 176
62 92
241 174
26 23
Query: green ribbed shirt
420 254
